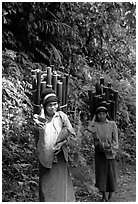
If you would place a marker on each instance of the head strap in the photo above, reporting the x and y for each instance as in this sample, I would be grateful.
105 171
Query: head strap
102 107
47 96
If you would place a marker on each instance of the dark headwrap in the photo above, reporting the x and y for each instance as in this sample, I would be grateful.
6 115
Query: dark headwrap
47 96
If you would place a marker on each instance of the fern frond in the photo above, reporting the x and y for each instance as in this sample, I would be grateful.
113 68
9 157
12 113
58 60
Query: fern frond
57 53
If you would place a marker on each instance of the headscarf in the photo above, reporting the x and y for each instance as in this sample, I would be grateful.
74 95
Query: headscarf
47 96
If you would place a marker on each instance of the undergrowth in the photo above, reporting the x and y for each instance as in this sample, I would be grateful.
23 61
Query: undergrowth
19 161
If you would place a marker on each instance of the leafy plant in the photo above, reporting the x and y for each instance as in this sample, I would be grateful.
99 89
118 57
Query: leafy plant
89 40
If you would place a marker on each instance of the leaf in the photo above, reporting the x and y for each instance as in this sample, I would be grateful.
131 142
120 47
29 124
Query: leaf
56 53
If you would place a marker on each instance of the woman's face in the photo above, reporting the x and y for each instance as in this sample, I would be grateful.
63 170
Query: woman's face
101 116
51 108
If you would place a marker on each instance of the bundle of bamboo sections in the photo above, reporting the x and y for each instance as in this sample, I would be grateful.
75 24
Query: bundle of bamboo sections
49 79
106 96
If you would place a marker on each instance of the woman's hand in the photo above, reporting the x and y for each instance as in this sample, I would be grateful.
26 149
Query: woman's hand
63 135
58 146
106 145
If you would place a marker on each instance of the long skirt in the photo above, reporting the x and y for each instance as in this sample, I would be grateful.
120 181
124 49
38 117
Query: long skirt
55 184
104 172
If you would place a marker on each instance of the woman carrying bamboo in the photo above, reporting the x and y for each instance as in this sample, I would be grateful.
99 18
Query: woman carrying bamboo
55 133
105 135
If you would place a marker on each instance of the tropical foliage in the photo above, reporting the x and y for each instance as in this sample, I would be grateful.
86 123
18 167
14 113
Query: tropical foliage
87 40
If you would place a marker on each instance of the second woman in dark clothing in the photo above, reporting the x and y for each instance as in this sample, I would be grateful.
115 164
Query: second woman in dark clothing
105 135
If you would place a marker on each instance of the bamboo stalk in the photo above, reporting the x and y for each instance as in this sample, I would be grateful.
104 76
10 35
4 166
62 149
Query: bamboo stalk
43 86
111 94
67 82
112 105
34 86
34 90
98 89
52 68
54 83
37 102
49 76
116 102
59 91
108 108
106 91
63 90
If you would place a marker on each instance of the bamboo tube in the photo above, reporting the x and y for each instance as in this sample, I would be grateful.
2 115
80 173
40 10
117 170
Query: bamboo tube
110 91
33 82
38 86
43 86
49 76
37 102
112 105
102 89
96 103
34 86
108 108
54 83
91 102
67 81
116 102
59 91
106 91
35 106
63 90
34 90
98 89
52 68
111 94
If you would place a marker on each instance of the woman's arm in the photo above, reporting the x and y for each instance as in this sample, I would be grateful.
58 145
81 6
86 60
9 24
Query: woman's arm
93 130
114 142
67 132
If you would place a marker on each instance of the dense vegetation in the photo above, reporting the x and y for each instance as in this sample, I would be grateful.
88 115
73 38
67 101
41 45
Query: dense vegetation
87 40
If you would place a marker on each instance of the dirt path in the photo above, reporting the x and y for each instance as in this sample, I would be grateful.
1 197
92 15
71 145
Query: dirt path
126 181
126 185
